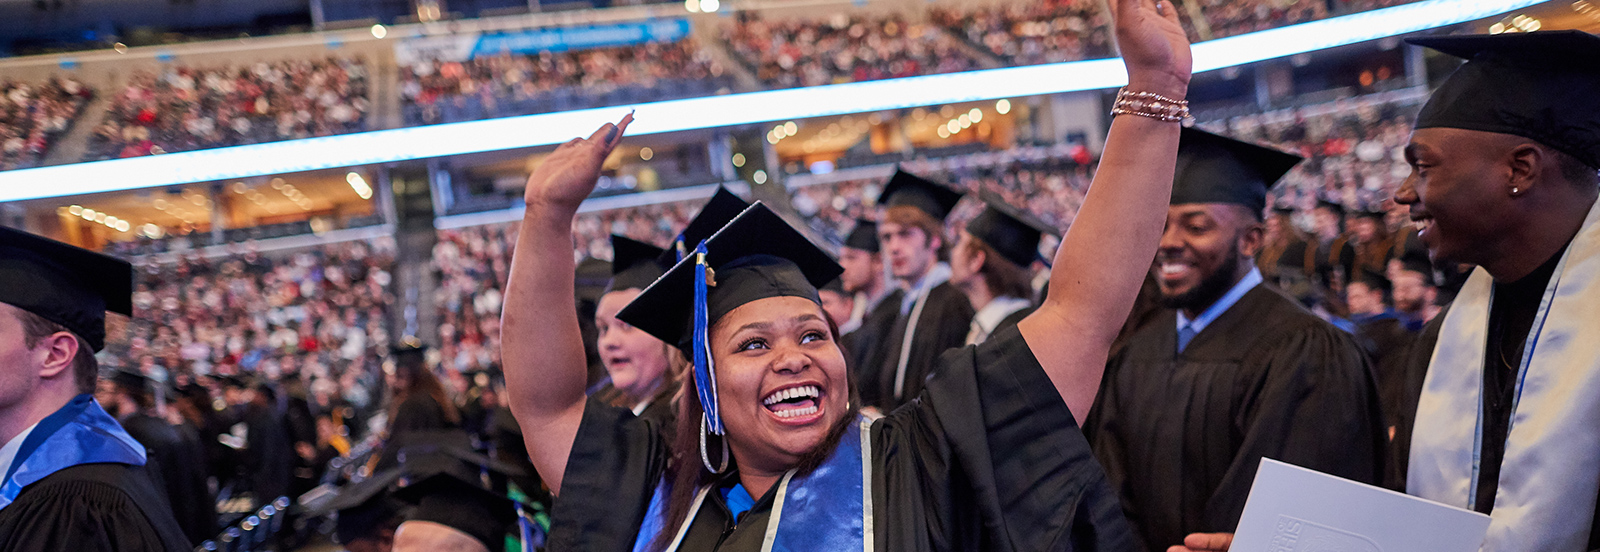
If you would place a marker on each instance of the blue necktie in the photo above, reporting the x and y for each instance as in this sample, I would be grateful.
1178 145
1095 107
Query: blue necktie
1185 334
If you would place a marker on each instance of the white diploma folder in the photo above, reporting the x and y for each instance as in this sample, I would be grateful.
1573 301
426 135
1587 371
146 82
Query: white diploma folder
1293 509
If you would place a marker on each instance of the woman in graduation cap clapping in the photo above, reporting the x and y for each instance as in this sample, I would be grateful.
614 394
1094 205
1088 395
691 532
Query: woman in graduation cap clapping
771 452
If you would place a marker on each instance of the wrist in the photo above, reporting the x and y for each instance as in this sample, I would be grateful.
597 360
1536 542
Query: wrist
1170 87
544 213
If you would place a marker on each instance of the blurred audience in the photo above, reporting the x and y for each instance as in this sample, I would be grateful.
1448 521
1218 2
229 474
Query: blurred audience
787 53
32 116
1048 31
185 108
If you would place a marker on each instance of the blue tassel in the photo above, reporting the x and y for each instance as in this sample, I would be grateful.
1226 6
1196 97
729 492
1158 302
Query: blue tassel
704 369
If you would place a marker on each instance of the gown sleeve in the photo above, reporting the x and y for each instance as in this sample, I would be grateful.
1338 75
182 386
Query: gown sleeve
616 462
988 457
1310 378
84 516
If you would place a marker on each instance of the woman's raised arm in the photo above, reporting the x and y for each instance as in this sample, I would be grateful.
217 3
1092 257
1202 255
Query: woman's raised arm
542 349
1108 249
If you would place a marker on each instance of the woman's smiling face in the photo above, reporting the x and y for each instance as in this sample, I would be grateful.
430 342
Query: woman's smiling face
781 381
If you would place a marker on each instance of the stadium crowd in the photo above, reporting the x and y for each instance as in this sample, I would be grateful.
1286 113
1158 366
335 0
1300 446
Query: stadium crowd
1030 33
184 108
794 52
509 84
32 116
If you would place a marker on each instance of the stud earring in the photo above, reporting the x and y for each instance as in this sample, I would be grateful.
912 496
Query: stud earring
1515 190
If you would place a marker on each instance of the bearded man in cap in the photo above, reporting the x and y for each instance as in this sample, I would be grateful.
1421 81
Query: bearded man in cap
1233 371
1505 176
70 477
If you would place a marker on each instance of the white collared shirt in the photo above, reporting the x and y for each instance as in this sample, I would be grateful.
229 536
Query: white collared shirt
984 322
8 453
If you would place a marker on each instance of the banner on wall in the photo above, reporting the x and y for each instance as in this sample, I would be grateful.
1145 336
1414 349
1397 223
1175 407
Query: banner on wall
465 46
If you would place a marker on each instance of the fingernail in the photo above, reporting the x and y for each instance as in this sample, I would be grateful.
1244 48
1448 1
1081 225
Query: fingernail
611 135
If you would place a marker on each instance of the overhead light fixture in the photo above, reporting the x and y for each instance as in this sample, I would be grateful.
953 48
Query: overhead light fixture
359 184
384 146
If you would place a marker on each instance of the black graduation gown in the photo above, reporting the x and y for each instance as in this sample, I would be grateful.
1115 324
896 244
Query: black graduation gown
865 347
987 458
92 508
946 319
1408 391
174 466
1387 342
1181 435
269 456
1337 255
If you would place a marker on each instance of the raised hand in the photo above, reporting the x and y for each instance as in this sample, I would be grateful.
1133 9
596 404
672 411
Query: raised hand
1154 46
569 174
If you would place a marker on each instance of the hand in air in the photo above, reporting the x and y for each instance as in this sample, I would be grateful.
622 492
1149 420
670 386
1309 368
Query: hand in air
569 174
1205 542
1153 45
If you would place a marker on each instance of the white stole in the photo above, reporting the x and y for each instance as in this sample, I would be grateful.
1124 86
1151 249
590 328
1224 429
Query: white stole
1551 471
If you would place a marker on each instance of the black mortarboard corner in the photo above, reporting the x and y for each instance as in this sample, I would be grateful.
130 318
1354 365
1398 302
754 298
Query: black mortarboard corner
1217 169
756 256
1285 210
720 209
409 348
835 285
864 236
1419 263
1012 232
634 264
68 285
132 381
364 508
1539 85
1373 211
908 189
451 491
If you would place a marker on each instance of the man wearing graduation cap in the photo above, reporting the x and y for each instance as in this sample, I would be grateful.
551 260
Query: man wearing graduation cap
1504 158
70 477
1335 256
934 315
876 305
1505 175
1234 371
1283 258
990 265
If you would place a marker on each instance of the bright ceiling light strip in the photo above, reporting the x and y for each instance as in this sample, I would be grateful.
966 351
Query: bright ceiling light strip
717 111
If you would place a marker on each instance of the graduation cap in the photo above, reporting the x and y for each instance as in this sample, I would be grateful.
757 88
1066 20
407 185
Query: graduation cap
1282 209
835 285
720 209
132 381
911 190
1217 169
864 236
1010 231
68 285
451 492
1334 206
756 256
1418 263
1539 85
364 508
634 264
1373 211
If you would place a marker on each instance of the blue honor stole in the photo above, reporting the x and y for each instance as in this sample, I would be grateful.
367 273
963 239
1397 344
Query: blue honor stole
827 509
79 433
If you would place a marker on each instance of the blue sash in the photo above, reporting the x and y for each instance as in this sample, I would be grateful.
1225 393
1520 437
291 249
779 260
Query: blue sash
80 433
827 509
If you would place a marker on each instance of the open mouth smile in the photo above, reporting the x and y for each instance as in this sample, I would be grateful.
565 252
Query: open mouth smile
797 404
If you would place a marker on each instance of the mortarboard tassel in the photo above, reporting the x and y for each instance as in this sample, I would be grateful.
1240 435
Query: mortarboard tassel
704 369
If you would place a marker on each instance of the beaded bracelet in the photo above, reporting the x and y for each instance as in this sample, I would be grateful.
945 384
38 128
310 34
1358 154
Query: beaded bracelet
1154 106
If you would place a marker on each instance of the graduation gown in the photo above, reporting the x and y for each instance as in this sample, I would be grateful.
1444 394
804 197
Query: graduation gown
1387 342
943 325
175 465
269 456
97 495
987 458
865 348
1181 434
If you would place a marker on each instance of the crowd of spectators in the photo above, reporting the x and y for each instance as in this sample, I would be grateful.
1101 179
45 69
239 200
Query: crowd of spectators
470 267
1354 148
1031 33
516 84
32 116
314 319
792 52
185 108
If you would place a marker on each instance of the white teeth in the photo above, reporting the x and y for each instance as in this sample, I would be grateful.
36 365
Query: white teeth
790 393
1422 224
807 411
1172 268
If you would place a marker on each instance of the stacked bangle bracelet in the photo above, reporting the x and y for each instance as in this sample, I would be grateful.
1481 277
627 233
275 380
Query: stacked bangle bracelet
1154 106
